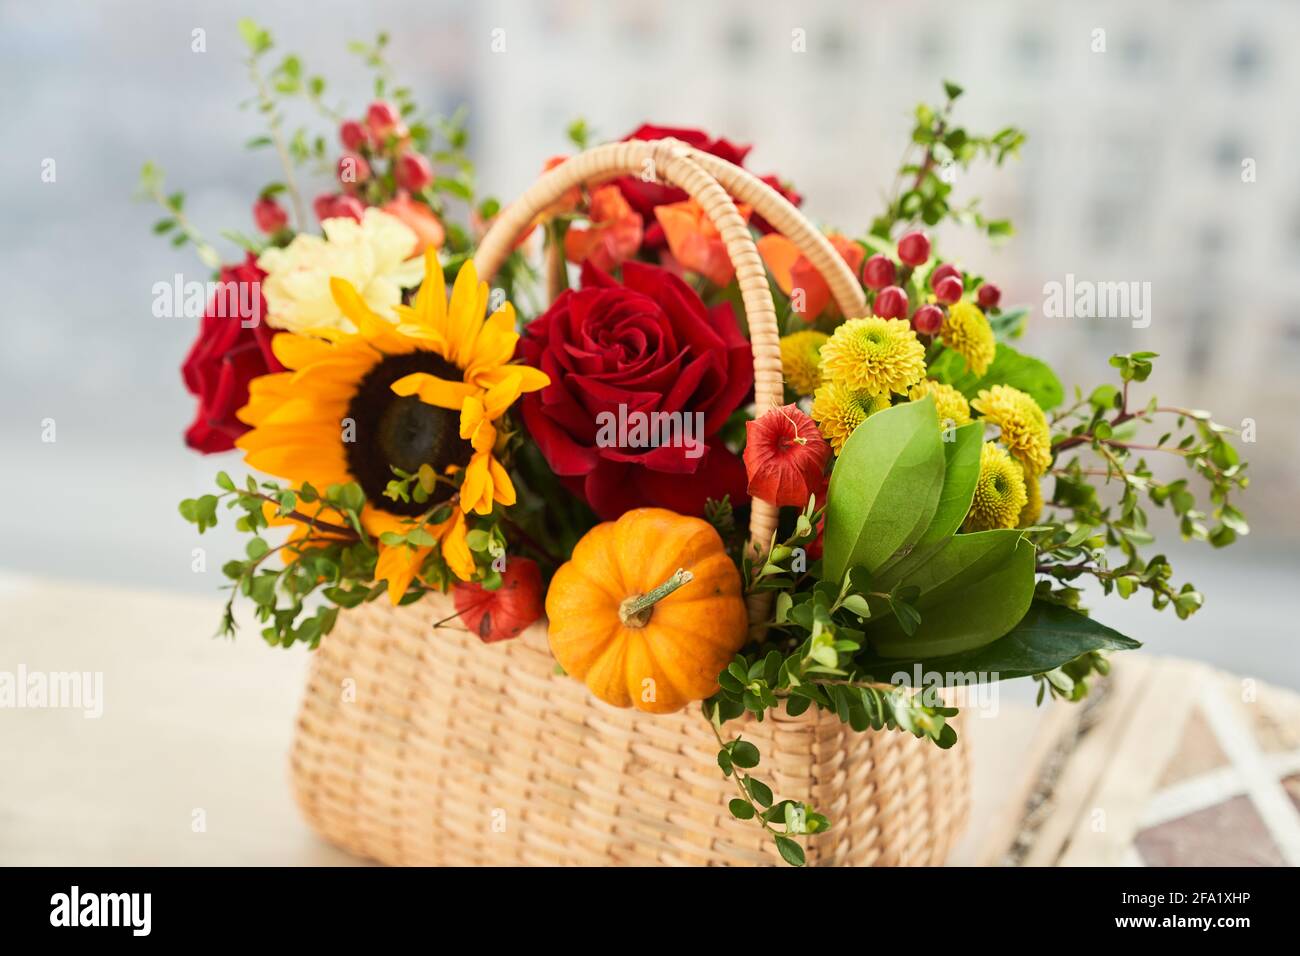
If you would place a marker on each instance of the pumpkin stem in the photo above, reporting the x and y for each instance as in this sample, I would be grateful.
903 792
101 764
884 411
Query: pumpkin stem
635 611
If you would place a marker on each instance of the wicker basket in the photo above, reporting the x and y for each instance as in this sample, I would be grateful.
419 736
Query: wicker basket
425 748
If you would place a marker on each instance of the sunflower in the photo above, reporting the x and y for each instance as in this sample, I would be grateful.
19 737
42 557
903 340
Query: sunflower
800 355
1023 425
967 332
428 390
838 410
948 402
1000 494
874 355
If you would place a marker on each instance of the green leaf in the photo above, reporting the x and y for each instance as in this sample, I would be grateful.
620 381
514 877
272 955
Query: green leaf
741 809
1047 637
1009 368
744 754
790 851
974 590
961 472
890 474
257 39
760 791
421 538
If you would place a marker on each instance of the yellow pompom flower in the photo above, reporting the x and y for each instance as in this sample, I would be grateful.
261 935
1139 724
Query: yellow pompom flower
1000 494
838 409
1024 426
800 360
1033 509
874 355
967 332
950 403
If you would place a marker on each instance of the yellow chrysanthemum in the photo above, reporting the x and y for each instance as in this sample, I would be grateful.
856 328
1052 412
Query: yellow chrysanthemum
376 256
1033 509
426 390
967 332
950 403
838 410
800 360
1024 427
874 355
1000 493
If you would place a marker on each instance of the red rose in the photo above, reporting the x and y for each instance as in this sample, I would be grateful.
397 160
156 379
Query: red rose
644 196
226 357
617 354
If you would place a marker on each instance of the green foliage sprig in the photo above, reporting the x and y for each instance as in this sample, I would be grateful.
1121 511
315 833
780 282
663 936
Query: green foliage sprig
941 143
331 556
1084 529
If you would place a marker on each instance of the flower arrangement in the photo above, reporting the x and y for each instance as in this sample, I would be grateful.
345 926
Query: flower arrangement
595 458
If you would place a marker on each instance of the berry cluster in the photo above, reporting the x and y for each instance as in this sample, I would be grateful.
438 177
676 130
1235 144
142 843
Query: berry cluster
887 282
381 138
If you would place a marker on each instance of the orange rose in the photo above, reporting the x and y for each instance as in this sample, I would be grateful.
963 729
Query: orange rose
794 273
420 219
695 242
613 236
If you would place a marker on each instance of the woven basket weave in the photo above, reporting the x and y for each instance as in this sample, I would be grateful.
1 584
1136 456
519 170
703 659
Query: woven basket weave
425 747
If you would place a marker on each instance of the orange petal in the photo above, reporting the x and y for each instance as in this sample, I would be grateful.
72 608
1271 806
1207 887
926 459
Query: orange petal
780 255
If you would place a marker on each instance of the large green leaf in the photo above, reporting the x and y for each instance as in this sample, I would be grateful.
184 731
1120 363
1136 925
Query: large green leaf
972 591
961 472
1009 367
1047 637
884 488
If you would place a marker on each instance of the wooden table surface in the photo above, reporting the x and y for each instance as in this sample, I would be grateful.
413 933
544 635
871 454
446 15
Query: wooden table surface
187 763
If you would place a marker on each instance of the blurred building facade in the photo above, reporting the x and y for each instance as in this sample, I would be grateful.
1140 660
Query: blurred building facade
1156 154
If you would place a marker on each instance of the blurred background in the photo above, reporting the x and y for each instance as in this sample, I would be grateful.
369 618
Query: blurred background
1132 172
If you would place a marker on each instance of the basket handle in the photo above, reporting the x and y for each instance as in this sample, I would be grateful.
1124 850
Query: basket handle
709 182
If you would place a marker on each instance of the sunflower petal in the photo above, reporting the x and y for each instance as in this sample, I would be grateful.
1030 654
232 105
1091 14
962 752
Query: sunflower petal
398 564
496 342
465 313
454 542
503 489
433 390
431 298
297 351
476 489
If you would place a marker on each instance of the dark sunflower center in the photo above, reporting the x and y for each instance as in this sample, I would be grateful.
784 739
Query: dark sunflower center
402 432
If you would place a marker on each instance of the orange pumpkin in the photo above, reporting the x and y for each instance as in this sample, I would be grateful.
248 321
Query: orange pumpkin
648 611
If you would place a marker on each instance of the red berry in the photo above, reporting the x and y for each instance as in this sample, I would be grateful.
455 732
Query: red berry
413 172
269 215
330 206
914 248
349 207
891 303
989 296
947 269
384 119
352 169
928 319
352 134
948 290
877 272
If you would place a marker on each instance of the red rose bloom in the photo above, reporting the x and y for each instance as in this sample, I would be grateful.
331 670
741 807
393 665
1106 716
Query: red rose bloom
619 353
225 358
644 197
